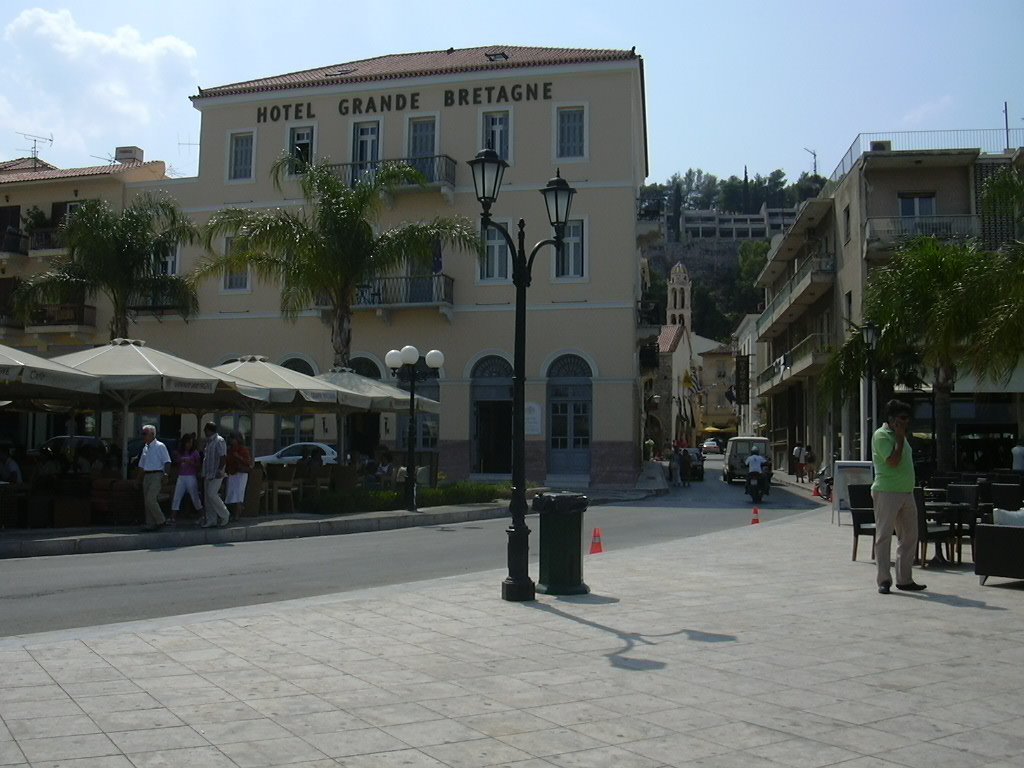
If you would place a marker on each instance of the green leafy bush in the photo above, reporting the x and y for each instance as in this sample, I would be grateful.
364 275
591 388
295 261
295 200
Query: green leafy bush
369 500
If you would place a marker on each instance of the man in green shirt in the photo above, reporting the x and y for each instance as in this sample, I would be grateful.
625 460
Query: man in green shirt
893 494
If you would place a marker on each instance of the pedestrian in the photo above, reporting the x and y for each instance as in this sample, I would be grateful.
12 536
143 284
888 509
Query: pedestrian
153 464
214 460
810 470
189 463
10 472
893 495
799 461
684 467
237 465
675 466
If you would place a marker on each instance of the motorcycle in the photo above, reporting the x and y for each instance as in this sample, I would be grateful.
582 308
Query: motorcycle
759 484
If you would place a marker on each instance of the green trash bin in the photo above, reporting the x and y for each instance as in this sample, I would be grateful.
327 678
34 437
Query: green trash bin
561 542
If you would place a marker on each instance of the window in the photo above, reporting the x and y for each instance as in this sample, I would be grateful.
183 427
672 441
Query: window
494 262
846 224
569 261
917 205
571 134
234 280
421 146
365 148
300 143
240 156
296 429
167 264
496 132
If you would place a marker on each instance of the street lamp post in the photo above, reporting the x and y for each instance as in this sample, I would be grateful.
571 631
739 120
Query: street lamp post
403 364
488 171
869 331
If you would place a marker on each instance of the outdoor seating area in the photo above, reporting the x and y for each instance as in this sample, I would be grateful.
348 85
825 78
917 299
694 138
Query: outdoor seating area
953 511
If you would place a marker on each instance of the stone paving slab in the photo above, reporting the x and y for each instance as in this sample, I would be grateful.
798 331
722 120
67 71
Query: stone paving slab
760 647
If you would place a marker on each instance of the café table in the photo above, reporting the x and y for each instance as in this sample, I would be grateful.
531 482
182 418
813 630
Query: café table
954 513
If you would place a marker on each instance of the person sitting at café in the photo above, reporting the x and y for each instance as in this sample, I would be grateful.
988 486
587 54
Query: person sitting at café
237 465
10 472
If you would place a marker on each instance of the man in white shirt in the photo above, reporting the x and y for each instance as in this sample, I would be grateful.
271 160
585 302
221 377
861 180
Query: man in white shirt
153 464
214 459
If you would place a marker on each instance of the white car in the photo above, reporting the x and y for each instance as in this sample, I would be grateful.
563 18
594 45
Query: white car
711 446
295 452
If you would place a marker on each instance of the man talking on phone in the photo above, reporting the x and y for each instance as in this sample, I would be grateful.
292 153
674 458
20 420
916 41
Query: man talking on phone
893 494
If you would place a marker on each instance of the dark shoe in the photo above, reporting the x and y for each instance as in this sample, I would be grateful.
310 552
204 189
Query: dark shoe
206 525
883 589
911 587
150 528
223 523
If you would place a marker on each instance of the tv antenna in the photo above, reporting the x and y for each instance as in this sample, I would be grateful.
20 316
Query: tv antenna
35 142
814 157
186 144
108 159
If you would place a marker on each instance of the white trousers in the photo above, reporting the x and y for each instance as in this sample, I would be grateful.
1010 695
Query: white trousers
186 484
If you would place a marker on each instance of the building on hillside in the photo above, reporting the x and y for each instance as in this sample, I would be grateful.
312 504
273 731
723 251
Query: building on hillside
887 187
722 225
543 109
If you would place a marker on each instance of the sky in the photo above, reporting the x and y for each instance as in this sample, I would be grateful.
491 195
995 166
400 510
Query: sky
730 83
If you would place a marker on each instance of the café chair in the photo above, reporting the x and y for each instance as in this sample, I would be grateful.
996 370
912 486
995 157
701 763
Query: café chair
862 515
939 533
281 483
1006 496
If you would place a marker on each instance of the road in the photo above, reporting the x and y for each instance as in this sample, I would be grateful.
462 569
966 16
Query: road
47 593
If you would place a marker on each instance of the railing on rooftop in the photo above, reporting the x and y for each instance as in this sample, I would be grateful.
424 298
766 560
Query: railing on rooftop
436 169
988 140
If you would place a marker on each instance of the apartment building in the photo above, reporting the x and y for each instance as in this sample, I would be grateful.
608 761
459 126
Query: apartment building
542 109
887 187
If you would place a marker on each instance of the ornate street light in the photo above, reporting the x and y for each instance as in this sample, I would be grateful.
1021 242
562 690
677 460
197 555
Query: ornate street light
869 332
403 364
488 171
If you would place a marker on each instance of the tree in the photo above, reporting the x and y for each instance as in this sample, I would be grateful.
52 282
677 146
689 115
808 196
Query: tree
753 257
323 252
119 256
939 306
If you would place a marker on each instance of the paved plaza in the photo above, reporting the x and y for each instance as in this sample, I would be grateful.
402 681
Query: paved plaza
759 647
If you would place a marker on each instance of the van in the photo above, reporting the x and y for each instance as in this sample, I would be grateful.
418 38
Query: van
736 452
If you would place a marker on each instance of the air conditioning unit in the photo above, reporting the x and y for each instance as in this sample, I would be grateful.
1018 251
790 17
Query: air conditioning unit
881 146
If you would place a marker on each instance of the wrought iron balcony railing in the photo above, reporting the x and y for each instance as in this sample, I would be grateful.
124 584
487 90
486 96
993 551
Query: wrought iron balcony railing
47 239
436 169
406 291
64 314
890 229
14 241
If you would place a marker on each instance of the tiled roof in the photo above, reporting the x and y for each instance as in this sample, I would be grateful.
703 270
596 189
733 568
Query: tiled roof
50 172
24 164
426 64
668 339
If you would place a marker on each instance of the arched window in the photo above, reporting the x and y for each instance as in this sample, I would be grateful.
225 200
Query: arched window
364 366
491 409
296 428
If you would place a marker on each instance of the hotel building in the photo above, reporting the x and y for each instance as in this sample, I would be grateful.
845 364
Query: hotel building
578 111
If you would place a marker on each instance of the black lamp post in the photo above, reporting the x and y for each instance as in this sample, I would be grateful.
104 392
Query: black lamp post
488 170
403 364
869 331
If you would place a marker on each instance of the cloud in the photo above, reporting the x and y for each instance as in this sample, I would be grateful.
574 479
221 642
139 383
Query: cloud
925 114
91 89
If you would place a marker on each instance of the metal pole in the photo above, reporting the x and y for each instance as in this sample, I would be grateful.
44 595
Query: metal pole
518 586
410 460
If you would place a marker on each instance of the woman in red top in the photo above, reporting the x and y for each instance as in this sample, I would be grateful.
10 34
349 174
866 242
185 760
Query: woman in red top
237 466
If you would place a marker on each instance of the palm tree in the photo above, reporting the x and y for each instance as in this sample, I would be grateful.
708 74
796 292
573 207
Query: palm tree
942 307
118 255
322 253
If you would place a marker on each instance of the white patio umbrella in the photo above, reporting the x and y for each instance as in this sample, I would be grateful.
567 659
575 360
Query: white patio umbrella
24 376
293 391
384 397
136 376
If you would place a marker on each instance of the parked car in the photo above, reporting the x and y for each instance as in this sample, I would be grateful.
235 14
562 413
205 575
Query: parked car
292 454
696 463
710 446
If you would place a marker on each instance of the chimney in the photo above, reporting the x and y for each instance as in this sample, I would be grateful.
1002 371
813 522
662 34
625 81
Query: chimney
126 155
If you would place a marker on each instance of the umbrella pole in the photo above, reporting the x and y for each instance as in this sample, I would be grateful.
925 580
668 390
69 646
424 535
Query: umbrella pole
124 440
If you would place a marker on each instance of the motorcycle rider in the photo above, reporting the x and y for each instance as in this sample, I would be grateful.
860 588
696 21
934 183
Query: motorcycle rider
756 464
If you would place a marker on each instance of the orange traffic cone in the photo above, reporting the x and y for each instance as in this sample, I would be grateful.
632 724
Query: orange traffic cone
756 519
595 544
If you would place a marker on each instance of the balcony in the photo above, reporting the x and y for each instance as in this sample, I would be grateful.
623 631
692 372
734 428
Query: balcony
385 294
13 243
648 320
46 239
813 279
152 304
802 362
438 171
882 234
62 318
649 357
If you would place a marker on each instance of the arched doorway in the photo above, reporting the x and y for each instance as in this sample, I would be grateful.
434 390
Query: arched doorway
570 407
491 395
296 428
362 432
